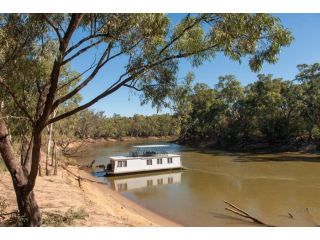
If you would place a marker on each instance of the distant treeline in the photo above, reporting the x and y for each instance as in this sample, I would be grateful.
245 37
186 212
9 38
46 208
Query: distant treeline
270 110
90 124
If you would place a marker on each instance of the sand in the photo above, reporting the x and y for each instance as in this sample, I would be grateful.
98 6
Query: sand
104 206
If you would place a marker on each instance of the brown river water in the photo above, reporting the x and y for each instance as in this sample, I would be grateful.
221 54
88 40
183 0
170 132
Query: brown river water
270 187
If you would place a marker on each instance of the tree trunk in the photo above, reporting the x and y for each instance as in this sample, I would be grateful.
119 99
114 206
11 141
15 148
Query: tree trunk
28 207
53 149
309 135
27 204
40 173
56 162
50 129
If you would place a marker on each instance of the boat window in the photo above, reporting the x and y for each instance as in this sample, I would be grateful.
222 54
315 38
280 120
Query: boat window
159 161
170 180
122 164
160 181
122 186
149 161
169 160
149 182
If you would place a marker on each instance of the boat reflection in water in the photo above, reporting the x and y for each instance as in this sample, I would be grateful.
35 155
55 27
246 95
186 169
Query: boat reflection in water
131 182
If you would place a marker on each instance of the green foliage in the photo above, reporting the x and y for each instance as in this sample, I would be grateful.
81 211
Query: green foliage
309 77
316 133
150 45
271 110
68 218
14 220
90 124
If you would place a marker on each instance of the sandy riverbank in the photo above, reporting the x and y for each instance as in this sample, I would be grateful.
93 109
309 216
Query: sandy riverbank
104 206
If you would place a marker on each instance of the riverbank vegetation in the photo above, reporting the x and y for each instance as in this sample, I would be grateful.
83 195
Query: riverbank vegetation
268 112
90 124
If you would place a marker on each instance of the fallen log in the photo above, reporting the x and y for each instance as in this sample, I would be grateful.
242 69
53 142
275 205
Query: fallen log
290 215
311 216
236 210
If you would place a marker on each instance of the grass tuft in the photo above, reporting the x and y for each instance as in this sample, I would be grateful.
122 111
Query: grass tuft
58 219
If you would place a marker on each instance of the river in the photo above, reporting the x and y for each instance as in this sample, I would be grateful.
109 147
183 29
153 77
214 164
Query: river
275 188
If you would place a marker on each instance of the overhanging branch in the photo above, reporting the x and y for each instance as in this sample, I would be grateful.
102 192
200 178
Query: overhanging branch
133 73
83 50
100 64
47 19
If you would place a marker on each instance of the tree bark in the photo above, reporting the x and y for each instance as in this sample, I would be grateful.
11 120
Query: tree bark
28 208
56 162
50 129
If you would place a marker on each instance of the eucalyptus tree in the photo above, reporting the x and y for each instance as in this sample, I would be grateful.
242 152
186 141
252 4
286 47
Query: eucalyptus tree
182 105
267 100
149 48
309 77
231 93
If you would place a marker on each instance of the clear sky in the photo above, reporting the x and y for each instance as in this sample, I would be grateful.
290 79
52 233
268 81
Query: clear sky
304 49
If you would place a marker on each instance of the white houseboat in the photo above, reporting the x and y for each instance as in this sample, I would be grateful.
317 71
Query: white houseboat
144 158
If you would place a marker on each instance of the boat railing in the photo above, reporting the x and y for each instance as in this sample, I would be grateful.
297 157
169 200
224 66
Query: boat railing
147 153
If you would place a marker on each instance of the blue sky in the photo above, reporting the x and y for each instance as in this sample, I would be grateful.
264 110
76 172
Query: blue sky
304 49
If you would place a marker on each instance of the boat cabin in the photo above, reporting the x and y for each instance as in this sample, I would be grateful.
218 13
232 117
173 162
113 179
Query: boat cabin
144 158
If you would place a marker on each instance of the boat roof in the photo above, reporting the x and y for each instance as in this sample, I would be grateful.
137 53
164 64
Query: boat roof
142 158
150 146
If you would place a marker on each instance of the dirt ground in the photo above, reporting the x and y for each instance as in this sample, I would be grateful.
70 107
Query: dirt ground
104 206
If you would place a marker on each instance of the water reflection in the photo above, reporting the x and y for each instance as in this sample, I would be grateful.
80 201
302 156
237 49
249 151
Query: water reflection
133 182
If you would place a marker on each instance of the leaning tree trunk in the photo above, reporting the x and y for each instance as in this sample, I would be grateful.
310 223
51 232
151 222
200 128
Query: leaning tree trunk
28 207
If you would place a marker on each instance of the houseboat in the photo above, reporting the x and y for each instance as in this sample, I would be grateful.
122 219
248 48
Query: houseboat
144 158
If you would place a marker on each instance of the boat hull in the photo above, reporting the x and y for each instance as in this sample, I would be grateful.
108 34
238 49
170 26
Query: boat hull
110 173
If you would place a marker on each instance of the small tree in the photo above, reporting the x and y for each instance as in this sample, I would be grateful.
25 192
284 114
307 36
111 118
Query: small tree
150 46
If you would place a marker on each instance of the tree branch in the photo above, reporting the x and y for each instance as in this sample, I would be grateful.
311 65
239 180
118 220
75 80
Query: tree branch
77 77
16 101
47 19
81 51
182 33
119 83
74 22
90 103
78 44
54 77
133 87
86 81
